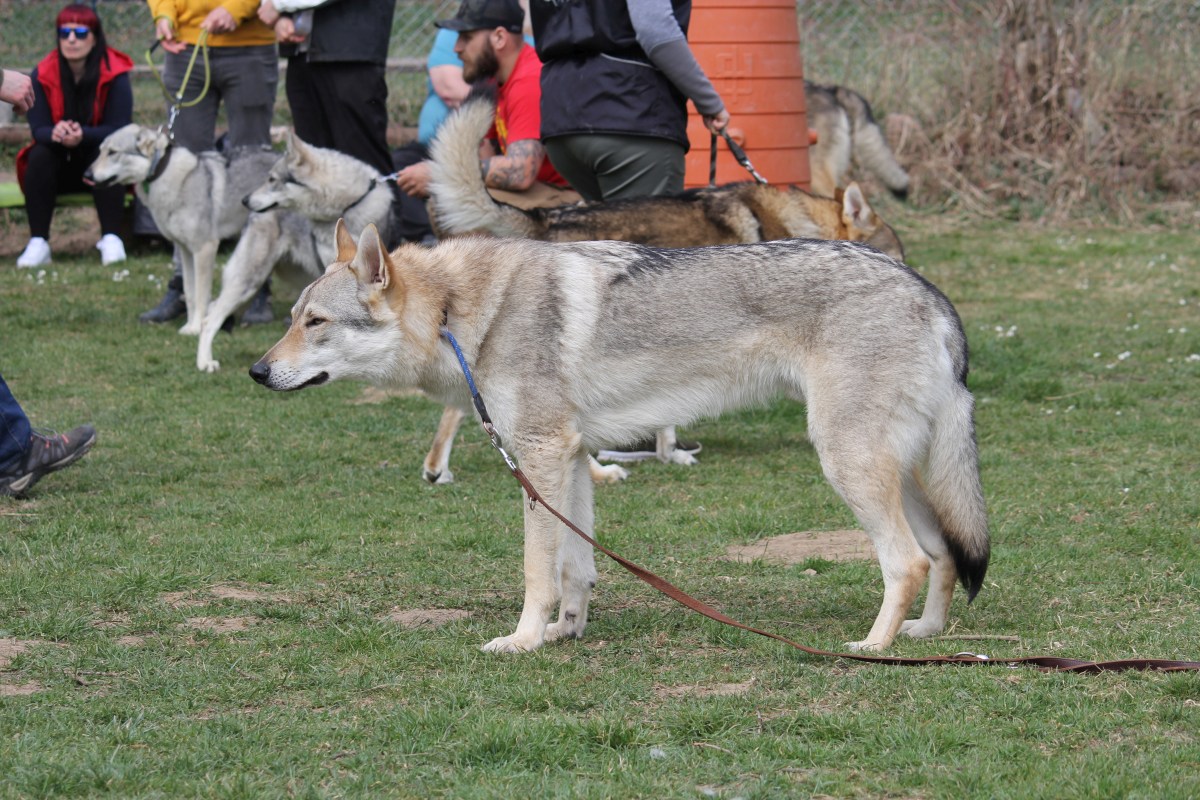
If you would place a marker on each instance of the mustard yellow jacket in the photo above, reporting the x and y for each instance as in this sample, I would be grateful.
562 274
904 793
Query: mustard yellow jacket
187 15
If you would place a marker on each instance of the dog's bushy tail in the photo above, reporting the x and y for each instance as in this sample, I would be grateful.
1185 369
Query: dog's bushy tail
461 203
870 148
955 492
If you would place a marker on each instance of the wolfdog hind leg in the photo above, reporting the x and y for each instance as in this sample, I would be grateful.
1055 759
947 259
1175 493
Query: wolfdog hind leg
436 468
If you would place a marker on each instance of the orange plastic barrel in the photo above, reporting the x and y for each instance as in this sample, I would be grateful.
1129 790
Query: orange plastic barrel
750 50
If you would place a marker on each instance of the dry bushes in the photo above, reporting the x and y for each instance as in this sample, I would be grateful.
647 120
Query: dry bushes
1031 107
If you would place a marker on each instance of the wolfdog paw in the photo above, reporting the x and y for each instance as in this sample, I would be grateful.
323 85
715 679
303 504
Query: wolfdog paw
190 329
920 628
510 644
855 647
607 473
563 630
208 364
682 458
445 476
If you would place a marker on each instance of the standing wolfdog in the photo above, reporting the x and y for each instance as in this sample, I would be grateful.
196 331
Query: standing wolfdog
581 346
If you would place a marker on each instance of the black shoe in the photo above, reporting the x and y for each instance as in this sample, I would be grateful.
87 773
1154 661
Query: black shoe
259 311
48 452
645 450
172 305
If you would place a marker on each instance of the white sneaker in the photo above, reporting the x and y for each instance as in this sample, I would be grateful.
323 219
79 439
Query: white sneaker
111 248
37 253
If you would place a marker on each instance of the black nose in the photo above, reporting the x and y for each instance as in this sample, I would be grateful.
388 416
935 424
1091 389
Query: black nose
260 372
246 201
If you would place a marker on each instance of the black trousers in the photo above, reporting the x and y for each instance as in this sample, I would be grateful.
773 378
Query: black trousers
54 170
341 105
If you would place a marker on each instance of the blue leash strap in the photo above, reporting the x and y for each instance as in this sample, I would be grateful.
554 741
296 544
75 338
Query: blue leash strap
477 399
462 362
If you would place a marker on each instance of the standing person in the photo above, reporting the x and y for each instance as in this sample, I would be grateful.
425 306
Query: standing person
82 94
337 59
243 76
512 159
26 455
616 78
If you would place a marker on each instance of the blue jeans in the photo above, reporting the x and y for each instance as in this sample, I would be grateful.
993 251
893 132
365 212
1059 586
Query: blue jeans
15 432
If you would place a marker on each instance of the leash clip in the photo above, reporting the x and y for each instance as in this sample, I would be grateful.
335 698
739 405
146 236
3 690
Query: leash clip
980 656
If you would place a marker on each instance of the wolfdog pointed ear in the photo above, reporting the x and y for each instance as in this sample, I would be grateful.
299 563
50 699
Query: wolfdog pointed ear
297 148
371 263
346 246
146 142
855 210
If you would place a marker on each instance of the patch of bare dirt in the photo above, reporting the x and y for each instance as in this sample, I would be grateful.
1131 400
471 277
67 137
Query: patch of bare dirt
425 617
221 624
20 689
11 648
131 640
795 548
696 690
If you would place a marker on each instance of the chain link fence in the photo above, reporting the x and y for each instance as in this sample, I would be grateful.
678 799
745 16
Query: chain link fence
939 73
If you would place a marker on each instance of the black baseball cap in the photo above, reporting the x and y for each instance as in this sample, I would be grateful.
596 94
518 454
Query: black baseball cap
474 15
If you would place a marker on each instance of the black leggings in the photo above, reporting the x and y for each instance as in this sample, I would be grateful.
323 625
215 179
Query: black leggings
55 170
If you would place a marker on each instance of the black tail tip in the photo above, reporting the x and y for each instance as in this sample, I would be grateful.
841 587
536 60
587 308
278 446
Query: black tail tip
900 194
971 568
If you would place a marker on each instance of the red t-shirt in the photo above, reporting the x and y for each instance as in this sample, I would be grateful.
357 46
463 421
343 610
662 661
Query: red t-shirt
518 110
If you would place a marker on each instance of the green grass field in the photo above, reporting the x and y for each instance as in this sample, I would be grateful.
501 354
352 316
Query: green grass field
217 601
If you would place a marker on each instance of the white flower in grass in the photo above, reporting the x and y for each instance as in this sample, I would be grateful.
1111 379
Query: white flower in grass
1194 357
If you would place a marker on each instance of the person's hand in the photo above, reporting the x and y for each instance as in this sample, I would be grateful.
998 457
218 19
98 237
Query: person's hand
16 88
219 20
717 122
268 13
67 132
285 31
414 179
164 29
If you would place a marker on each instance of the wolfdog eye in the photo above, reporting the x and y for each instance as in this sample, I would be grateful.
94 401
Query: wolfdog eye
314 322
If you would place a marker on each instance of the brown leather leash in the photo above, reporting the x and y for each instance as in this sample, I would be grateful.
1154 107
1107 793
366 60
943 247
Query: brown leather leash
1046 663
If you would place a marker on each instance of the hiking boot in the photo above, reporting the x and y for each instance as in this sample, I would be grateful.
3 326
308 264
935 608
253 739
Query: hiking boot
37 254
48 452
172 305
645 450
112 249
259 311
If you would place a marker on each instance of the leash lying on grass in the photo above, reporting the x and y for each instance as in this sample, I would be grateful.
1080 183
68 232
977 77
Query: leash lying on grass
1047 663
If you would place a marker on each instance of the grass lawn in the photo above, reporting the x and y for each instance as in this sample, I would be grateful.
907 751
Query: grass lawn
219 601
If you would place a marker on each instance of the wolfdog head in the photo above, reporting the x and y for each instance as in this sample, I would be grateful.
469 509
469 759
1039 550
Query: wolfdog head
128 155
347 324
317 182
286 183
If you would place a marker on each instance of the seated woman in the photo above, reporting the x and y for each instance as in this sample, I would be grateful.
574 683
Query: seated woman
82 95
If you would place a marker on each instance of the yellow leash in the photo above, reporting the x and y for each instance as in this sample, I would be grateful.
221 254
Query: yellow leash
176 102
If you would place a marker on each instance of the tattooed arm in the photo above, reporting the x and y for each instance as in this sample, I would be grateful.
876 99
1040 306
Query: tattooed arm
517 169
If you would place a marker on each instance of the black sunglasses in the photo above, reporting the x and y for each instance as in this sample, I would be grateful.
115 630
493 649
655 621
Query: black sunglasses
80 31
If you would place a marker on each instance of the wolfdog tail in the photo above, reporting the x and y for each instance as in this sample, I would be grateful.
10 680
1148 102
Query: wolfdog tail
461 202
954 490
869 145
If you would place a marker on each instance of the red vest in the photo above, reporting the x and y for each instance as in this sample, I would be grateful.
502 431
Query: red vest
51 80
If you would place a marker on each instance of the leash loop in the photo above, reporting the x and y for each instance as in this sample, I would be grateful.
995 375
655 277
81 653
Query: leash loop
738 153
175 102
1044 663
